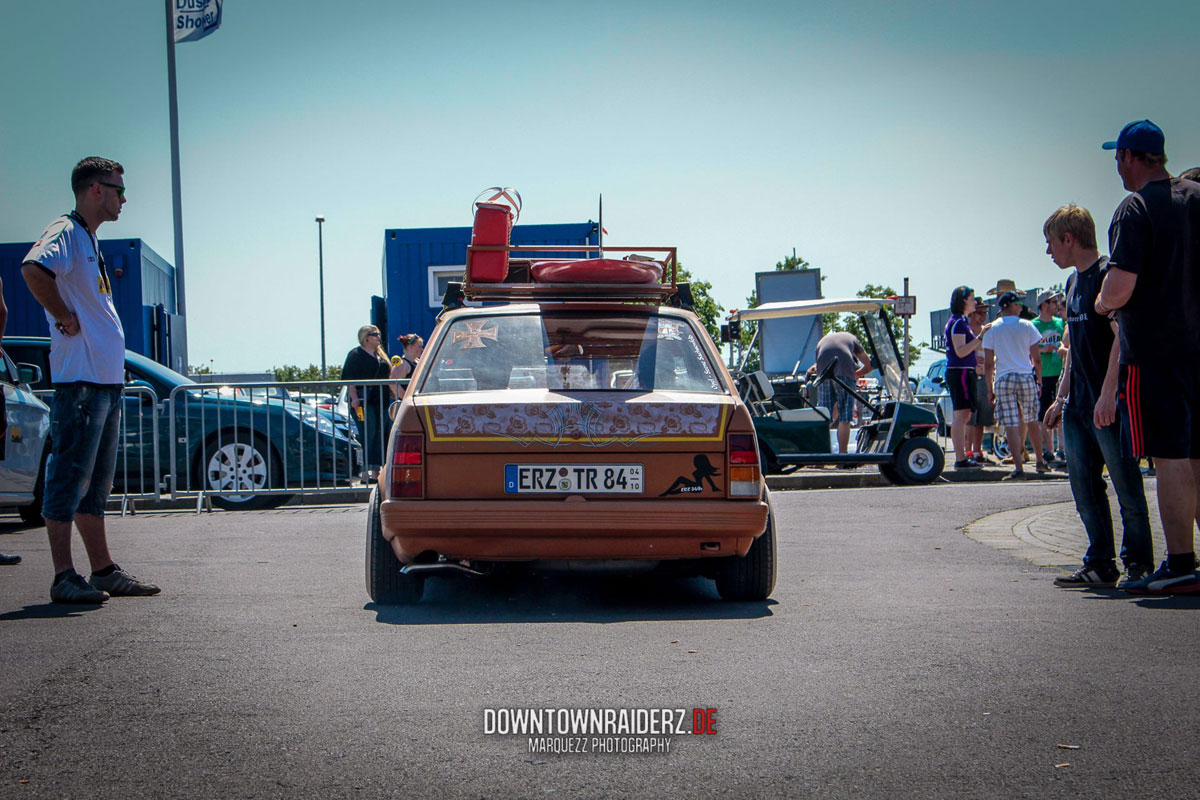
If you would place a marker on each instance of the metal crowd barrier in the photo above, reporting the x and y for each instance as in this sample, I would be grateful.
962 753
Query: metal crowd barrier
246 445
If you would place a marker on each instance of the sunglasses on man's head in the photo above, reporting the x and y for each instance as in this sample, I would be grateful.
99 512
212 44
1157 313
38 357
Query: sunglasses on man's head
120 189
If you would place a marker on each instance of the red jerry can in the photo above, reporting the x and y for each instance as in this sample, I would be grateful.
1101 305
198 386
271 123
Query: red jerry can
492 227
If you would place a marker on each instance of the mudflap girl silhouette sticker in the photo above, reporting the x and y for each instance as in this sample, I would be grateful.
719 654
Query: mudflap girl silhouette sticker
703 473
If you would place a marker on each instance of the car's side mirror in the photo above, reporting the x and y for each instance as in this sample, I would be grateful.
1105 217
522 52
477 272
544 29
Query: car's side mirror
937 381
30 374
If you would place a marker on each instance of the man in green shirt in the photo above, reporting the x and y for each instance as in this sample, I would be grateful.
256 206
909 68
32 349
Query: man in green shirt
1050 324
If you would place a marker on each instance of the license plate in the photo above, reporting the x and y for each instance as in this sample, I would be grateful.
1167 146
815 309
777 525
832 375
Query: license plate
573 478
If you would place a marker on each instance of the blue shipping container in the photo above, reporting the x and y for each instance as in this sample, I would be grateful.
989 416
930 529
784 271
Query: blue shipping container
418 263
143 287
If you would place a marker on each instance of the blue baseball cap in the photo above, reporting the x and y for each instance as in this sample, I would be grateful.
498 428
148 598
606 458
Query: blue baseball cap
1142 136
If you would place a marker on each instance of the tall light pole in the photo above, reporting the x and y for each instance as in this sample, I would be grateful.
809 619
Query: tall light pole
321 284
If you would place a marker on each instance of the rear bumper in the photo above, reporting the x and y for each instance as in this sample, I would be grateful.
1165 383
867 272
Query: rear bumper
518 530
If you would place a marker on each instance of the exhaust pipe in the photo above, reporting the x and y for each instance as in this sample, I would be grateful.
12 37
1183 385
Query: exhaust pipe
441 568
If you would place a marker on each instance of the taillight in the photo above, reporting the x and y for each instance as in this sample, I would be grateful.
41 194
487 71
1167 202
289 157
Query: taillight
407 466
744 474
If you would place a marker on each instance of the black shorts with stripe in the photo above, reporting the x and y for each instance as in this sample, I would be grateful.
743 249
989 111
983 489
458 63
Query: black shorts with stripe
960 382
1160 410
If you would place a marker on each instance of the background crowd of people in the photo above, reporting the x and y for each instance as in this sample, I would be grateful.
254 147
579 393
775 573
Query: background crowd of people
1111 362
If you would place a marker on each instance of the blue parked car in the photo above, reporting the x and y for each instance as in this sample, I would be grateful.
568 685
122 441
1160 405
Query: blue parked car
226 440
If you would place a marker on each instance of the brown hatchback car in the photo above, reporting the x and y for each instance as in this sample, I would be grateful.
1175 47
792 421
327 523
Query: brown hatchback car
586 422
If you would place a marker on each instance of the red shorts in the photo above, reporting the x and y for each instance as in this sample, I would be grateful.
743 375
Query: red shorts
1160 410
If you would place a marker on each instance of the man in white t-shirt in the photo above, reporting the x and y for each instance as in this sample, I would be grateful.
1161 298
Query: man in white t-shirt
1012 364
65 272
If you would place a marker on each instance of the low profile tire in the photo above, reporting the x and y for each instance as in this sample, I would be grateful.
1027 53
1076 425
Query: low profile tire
228 462
919 460
751 578
32 513
385 584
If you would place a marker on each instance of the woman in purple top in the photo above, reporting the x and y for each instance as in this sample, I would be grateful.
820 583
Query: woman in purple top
961 344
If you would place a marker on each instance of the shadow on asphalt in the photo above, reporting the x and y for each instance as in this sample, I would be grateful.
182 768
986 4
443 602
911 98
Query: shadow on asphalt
16 525
566 598
49 611
1165 602
1178 602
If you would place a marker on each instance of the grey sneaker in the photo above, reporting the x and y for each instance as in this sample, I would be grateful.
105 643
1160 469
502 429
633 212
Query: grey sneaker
1088 577
74 589
120 583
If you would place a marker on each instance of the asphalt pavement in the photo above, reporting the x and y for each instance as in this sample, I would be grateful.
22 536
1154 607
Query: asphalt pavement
898 657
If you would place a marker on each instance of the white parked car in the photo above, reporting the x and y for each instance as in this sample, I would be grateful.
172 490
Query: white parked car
932 390
26 436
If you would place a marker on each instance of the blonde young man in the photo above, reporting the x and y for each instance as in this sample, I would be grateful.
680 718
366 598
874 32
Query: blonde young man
1086 406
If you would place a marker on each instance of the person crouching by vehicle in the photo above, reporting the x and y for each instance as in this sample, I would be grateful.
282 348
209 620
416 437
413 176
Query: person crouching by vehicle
852 363
405 365
368 362
961 346
1013 364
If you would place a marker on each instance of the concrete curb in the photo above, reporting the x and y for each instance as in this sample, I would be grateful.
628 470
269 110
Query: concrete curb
861 478
1053 535
867 476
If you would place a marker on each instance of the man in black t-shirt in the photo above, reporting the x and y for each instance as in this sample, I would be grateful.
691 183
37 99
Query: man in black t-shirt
1153 281
1086 404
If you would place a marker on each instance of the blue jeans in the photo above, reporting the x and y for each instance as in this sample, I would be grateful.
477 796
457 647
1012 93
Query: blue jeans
1089 450
85 422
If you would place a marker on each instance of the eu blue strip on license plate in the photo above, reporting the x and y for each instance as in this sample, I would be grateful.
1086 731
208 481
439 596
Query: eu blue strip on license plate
573 478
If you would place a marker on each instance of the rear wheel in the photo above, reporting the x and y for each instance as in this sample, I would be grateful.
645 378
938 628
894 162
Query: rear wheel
751 577
919 460
385 583
32 513
232 461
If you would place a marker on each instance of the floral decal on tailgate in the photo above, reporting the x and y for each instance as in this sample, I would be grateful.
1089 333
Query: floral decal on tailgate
591 424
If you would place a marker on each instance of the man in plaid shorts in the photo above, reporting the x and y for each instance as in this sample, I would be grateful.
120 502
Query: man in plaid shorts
1012 364
852 362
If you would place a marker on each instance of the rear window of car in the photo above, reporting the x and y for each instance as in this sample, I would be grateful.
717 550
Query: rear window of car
571 351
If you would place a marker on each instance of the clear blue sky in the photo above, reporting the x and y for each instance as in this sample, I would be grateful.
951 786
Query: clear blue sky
919 139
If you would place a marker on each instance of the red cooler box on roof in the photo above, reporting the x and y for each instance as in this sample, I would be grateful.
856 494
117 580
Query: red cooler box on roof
493 226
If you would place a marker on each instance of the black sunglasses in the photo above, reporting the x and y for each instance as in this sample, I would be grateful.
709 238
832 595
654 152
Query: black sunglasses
120 189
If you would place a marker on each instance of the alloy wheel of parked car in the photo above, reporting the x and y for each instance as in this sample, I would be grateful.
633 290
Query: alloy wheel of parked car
234 465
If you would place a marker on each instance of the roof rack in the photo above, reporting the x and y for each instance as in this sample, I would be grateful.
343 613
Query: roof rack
519 284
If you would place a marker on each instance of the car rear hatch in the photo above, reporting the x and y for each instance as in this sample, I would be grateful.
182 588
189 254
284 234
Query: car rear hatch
539 444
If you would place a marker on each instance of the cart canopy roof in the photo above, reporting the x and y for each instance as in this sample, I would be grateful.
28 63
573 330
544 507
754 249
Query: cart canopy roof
806 308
